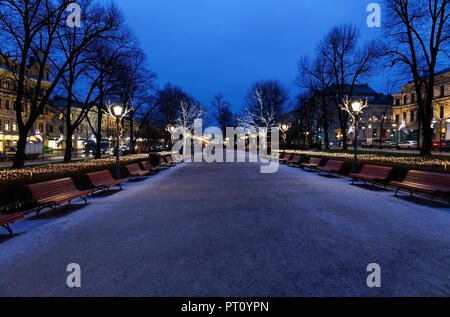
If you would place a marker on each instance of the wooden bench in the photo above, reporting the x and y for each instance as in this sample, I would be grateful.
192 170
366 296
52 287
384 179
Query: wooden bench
332 166
7 220
425 182
162 163
103 180
147 165
374 174
135 171
286 158
294 161
169 161
314 163
55 193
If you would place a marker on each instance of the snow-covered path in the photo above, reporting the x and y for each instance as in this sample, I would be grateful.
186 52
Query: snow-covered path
227 230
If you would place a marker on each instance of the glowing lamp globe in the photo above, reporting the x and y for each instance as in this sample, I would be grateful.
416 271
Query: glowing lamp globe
356 106
118 109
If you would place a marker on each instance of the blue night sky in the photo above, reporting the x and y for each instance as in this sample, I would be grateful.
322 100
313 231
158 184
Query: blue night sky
207 46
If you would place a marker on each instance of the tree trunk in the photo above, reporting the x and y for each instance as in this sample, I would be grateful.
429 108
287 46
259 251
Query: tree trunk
98 135
132 141
427 137
381 134
69 146
326 135
19 158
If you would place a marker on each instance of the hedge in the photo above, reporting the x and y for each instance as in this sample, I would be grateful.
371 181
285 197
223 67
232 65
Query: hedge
13 196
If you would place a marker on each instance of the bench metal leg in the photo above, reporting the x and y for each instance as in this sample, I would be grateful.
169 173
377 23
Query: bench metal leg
396 192
8 228
85 200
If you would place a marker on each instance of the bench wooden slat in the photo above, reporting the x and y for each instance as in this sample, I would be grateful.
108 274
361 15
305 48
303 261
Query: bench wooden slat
147 165
56 192
373 173
332 166
104 179
6 220
313 163
134 170
427 182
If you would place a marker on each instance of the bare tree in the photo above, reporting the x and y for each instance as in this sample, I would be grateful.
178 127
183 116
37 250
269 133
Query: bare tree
314 76
264 105
222 112
134 82
347 62
420 34
30 29
78 86
309 117
103 64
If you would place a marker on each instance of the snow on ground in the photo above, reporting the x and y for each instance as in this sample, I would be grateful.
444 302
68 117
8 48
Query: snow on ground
226 230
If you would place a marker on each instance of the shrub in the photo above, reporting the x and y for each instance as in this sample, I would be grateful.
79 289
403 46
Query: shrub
13 196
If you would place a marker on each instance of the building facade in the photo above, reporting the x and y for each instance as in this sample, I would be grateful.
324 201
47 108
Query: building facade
374 122
56 134
9 130
405 111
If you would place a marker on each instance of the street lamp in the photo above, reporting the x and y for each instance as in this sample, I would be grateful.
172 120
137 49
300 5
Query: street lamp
354 109
284 128
117 112
171 129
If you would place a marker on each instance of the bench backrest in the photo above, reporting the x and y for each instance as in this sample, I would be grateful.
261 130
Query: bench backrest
429 178
315 160
168 158
147 165
296 159
335 165
133 168
288 156
52 188
379 171
99 178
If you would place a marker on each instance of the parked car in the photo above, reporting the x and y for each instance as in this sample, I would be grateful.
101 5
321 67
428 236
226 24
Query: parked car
388 144
407 145
445 145
371 143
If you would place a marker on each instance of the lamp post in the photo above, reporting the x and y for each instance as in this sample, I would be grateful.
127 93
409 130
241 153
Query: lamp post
171 129
354 109
118 112
284 128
